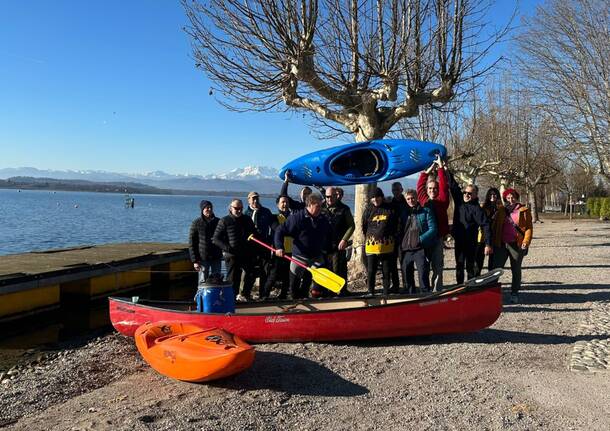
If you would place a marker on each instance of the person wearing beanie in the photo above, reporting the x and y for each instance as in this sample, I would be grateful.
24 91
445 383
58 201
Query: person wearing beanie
380 226
513 235
205 256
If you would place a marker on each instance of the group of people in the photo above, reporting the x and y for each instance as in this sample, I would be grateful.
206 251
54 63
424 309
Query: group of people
407 231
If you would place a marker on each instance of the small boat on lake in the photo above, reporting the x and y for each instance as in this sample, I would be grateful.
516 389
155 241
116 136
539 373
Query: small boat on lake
363 162
468 307
185 351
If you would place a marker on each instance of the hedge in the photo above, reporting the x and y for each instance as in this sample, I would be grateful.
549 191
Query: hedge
598 207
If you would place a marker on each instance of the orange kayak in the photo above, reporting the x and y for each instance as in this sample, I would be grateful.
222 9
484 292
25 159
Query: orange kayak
186 352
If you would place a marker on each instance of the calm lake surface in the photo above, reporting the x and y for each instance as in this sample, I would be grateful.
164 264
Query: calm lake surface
43 220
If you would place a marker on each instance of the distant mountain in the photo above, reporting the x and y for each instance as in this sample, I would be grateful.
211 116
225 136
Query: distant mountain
263 179
260 178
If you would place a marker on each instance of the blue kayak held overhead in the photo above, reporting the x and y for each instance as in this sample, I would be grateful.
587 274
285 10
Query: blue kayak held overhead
363 162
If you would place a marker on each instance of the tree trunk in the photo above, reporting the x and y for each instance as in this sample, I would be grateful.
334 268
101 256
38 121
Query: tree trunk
357 268
363 192
533 203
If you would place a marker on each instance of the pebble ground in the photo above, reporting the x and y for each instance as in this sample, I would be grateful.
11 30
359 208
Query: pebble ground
542 366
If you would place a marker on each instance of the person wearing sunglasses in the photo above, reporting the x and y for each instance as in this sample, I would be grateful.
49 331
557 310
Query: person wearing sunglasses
342 229
468 217
231 236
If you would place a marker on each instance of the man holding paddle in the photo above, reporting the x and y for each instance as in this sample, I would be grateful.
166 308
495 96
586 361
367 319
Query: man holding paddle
311 232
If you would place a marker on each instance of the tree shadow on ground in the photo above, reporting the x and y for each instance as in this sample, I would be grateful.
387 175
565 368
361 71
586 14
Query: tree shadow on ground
485 336
293 375
534 297
563 266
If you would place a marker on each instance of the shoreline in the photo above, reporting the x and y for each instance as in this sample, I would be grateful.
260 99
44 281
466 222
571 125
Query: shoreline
514 375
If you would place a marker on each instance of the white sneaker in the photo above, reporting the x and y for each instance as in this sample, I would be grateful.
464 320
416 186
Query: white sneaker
241 298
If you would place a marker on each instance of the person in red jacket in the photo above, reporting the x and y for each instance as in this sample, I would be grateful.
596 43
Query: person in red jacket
434 194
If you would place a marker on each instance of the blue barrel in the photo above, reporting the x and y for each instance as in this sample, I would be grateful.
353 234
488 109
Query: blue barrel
215 299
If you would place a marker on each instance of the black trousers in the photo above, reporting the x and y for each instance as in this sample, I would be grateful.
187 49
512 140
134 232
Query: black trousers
480 259
337 263
277 274
239 267
395 288
372 262
410 260
465 254
300 278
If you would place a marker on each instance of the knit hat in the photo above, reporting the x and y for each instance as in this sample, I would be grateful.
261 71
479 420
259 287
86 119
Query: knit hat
378 193
204 204
507 192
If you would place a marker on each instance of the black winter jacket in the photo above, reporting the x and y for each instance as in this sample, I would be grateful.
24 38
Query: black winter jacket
232 234
341 223
467 217
201 246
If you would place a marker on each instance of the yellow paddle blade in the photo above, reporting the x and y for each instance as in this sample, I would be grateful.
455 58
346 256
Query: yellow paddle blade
327 279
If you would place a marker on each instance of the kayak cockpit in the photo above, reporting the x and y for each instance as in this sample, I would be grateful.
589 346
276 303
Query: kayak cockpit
359 163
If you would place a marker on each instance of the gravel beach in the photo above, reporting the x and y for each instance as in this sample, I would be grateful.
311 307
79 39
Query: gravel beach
542 365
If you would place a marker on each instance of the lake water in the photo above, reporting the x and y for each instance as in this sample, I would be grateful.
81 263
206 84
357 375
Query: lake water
43 220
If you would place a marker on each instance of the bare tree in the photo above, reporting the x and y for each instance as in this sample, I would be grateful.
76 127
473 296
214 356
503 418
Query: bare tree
565 52
358 67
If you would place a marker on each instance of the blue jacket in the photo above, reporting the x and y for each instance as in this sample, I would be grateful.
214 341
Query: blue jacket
311 235
264 220
426 221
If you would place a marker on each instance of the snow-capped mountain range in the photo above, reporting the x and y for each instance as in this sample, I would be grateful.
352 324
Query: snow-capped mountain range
261 178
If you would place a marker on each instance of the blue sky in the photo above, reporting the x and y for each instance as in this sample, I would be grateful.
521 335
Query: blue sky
111 86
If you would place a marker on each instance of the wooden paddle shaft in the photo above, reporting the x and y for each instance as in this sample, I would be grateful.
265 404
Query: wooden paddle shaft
301 264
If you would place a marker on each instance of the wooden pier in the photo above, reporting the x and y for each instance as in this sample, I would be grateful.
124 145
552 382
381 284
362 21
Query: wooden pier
39 281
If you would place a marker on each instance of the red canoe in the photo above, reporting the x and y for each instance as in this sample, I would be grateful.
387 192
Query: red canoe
464 308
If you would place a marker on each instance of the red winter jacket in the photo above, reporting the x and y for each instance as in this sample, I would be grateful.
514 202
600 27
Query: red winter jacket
440 204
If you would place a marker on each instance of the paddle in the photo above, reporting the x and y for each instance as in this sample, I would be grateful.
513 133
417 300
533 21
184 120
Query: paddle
321 276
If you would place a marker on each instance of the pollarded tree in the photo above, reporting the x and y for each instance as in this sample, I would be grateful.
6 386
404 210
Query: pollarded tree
357 66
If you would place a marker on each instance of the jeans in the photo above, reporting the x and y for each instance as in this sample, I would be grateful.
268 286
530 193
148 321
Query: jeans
411 258
513 252
436 255
372 261
208 267
238 267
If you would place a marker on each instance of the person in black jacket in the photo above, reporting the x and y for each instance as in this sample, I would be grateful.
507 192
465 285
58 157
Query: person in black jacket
380 227
305 191
206 256
310 231
263 219
279 268
468 217
342 228
231 236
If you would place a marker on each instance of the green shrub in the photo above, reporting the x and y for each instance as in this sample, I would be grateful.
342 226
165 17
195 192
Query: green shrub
593 207
604 210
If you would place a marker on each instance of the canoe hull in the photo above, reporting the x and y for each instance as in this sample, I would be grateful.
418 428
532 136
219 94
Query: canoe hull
187 352
464 311
394 158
